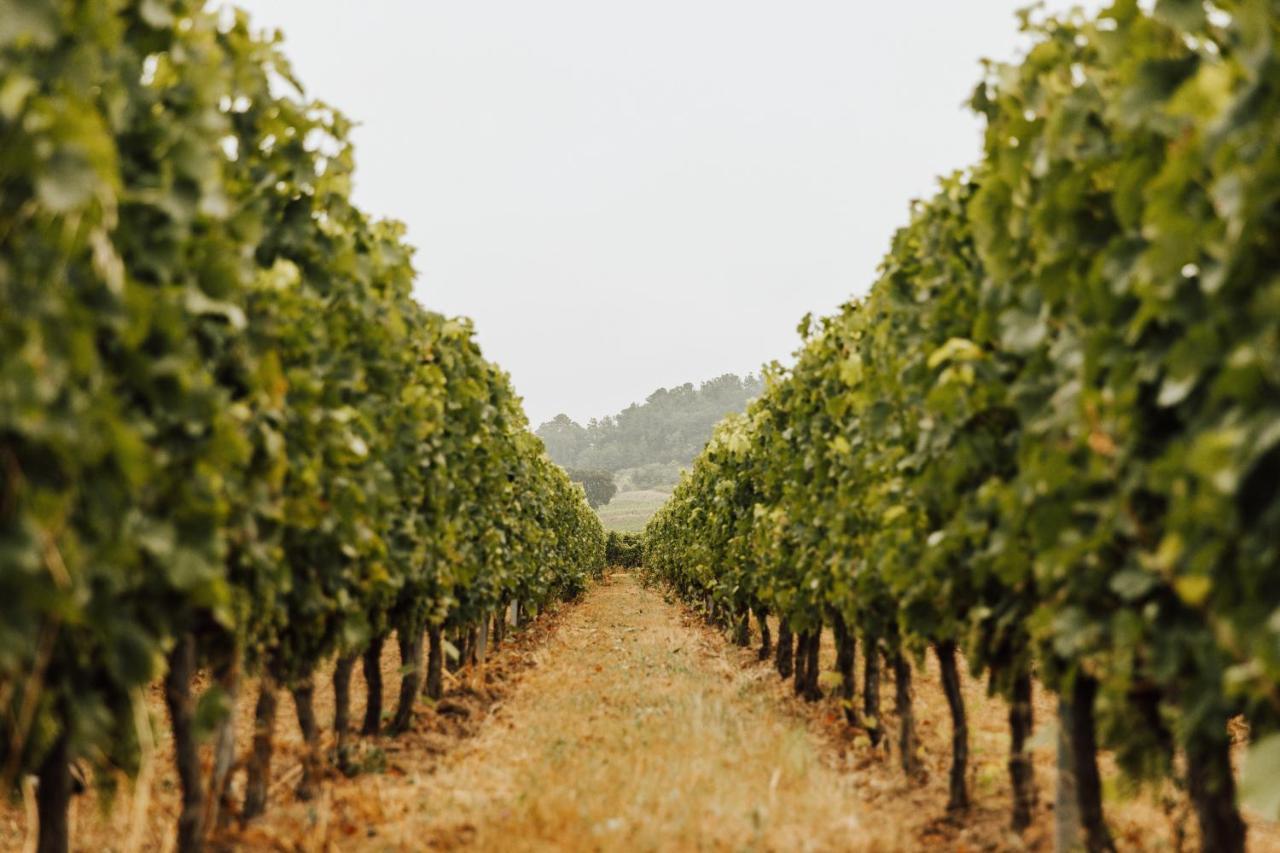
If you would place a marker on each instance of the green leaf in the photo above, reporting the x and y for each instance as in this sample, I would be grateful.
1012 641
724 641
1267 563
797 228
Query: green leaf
212 708
133 657
1132 584
892 514
1193 589
197 302
1176 389
14 93
851 370
1021 332
955 349
66 183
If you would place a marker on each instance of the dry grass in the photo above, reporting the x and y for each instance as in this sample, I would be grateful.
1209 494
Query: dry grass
624 723
912 815
636 732
345 807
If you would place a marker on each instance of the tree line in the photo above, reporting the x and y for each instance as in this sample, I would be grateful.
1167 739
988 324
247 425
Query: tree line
230 440
1046 446
670 426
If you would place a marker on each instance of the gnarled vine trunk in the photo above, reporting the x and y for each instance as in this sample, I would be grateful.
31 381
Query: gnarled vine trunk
182 715
1084 766
435 662
1021 774
304 705
411 682
871 689
259 770
53 798
958 788
343 669
373 685
1213 791
785 640
902 704
846 651
812 692
801 661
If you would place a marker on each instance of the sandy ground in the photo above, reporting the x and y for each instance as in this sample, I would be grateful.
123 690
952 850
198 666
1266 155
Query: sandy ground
636 732
643 729
622 722
143 816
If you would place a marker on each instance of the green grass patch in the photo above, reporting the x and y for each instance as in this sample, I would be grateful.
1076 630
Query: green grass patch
628 512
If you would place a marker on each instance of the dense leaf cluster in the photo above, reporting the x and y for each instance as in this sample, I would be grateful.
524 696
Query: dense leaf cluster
625 550
228 435
1050 435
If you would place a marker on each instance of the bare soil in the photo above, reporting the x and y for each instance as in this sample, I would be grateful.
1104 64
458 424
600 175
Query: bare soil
623 722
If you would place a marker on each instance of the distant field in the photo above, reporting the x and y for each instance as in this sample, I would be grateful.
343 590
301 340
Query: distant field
629 511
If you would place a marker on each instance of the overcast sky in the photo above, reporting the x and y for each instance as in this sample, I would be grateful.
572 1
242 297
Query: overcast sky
629 195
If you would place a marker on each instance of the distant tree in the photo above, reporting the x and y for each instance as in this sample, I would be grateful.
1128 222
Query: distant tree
565 440
597 483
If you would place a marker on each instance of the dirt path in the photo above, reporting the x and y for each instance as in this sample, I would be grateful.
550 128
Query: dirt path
634 732
622 722
639 728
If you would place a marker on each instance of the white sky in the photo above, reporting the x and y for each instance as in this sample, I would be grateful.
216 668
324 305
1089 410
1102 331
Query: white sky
633 195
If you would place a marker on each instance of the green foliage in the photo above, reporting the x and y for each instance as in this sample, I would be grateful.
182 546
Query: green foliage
670 426
1051 432
221 412
598 484
624 549
655 475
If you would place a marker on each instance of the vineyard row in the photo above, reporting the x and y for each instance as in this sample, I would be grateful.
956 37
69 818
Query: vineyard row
230 440
1047 442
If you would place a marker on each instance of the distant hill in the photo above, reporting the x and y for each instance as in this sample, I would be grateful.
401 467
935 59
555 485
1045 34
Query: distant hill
666 431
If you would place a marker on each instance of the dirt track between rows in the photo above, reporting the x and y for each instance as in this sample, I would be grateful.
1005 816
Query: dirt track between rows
633 732
623 722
